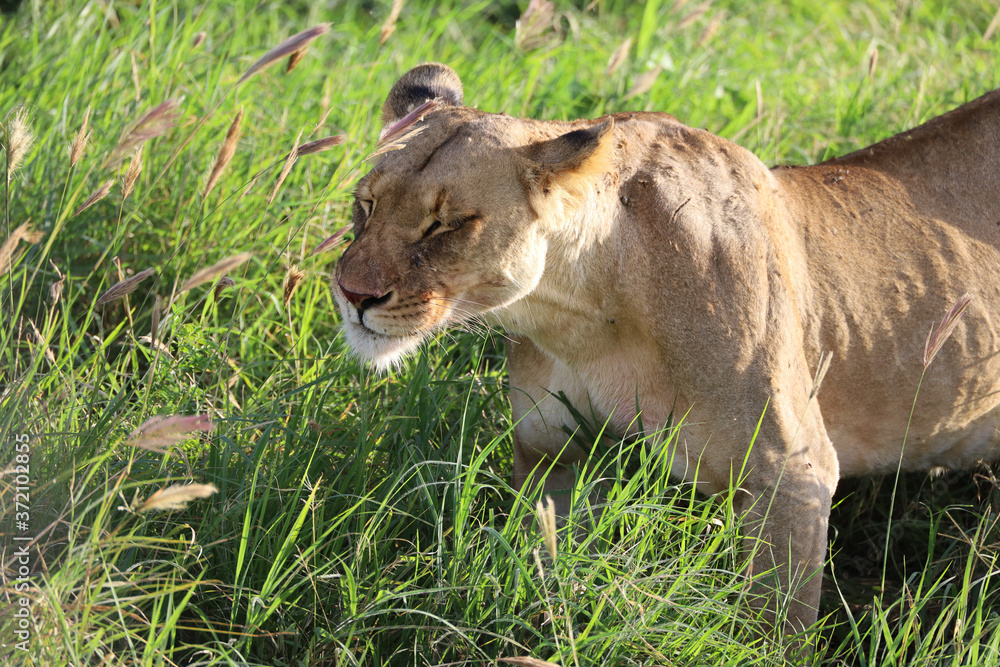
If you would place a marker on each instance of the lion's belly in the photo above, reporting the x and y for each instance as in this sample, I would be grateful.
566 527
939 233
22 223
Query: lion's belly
882 449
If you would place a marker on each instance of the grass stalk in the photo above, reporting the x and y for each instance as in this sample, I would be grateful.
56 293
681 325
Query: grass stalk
368 519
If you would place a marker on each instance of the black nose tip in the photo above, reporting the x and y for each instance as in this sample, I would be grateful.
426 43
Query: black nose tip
372 301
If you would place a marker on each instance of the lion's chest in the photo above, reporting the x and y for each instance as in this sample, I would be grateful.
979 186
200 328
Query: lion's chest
625 394
623 391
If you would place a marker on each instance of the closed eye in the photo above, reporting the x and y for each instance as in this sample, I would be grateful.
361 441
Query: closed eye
436 225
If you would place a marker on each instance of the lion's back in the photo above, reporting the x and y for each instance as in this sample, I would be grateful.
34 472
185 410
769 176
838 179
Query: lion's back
893 236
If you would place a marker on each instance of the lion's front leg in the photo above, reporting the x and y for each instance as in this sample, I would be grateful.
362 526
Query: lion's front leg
534 470
785 532
785 501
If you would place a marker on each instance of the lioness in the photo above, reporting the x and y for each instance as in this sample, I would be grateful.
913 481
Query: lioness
637 262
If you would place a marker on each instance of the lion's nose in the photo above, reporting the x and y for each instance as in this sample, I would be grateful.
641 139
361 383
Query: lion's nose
363 301
354 297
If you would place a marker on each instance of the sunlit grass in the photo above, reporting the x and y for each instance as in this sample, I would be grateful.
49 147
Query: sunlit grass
365 519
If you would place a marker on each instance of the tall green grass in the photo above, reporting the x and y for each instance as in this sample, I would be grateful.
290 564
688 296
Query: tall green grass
363 519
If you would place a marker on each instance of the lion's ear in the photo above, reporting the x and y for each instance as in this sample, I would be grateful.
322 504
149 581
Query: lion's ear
570 159
422 83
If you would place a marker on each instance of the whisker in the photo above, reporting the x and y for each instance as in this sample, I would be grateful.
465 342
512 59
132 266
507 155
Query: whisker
527 304
473 322
467 319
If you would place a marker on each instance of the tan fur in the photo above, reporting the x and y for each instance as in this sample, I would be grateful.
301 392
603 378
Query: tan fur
634 256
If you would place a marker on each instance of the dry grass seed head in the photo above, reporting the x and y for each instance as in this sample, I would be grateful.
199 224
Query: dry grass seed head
821 368
41 343
295 59
56 289
226 152
324 103
19 140
225 282
8 251
124 288
530 30
134 169
251 184
320 145
992 27
713 27
694 15
154 123
292 279
332 241
198 39
286 169
294 43
619 57
95 196
389 26
214 271
177 497
161 432
528 661
396 135
872 61
547 524
644 83
942 332
80 141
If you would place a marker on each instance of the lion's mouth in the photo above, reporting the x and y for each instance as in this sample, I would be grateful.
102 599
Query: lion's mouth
376 336
385 335
370 322
384 330
372 332
368 329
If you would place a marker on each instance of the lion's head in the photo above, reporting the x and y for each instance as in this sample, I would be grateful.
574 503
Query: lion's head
451 226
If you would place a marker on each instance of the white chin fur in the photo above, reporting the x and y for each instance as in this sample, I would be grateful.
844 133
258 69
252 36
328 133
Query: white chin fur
385 353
